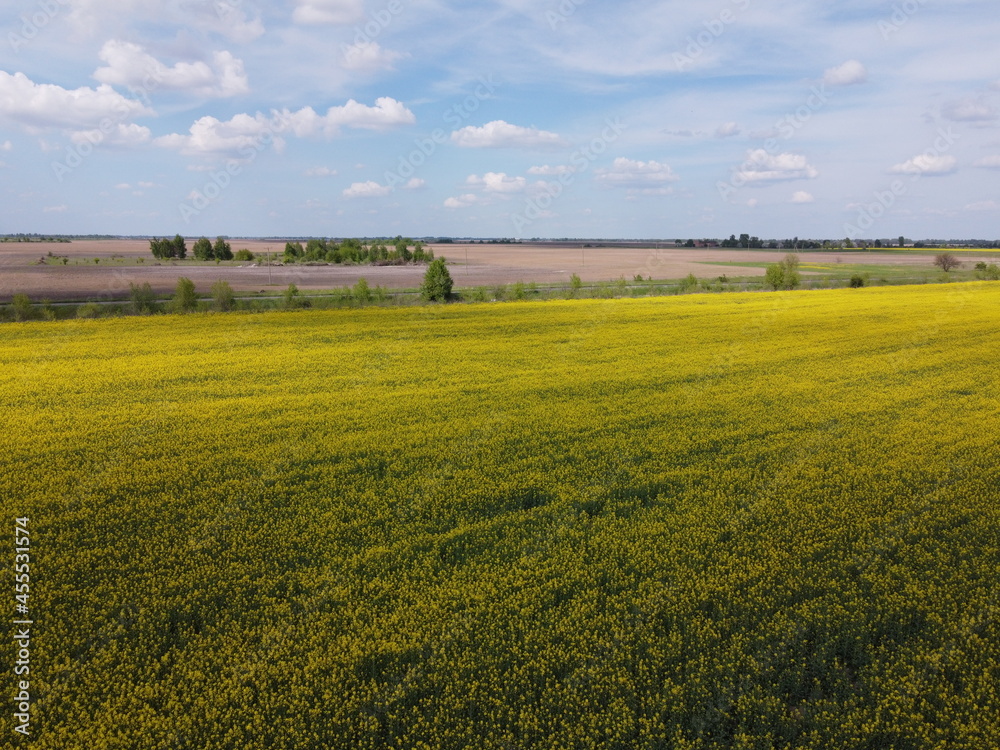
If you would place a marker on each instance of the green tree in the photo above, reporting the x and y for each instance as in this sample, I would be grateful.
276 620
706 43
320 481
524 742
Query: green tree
222 296
184 299
785 274
22 307
575 284
142 300
244 254
180 247
222 249
291 297
362 292
203 249
437 282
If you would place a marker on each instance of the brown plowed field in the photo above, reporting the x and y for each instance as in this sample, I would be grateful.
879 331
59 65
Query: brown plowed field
27 268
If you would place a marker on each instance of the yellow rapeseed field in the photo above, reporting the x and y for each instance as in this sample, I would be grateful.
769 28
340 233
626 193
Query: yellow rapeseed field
713 521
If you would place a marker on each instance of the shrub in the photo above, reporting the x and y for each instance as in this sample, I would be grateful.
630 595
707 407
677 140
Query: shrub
22 308
185 299
946 261
362 292
244 254
141 298
290 298
89 310
857 281
222 296
518 290
437 283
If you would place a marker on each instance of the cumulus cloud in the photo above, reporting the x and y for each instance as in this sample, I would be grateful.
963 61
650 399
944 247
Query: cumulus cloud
121 134
547 171
46 105
462 201
415 183
209 135
497 182
368 189
130 65
500 134
969 110
761 166
801 196
926 164
369 57
727 130
850 73
641 176
324 12
989 162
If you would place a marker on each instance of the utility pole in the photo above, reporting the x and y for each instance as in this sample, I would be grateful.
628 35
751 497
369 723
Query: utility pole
269 266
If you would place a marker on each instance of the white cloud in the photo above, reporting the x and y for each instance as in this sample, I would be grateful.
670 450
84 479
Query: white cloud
983 206
850 73
761 166
497 182
387 113
801 196
462 201
368 189
126 135
336 12
48 105
209 135
989 162
728 130
321 172
969 110
55 209
547 171
6 146
643 176
415 183
130 65
500 134
369 56
926 164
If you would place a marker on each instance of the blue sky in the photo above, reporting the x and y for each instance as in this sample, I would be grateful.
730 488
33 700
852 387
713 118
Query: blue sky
510 118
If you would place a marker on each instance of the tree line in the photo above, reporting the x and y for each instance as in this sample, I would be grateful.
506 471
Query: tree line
353 251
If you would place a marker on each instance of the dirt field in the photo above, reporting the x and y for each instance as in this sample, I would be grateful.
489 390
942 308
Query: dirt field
27 267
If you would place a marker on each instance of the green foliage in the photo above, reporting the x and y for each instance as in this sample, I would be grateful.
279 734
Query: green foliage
22 308
244 254
142 299
857 281
167 248
518 291
222 250
89 311
203 249
185 298
783 275
437 283
291 298
986 272
361 291
222 296
293 251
